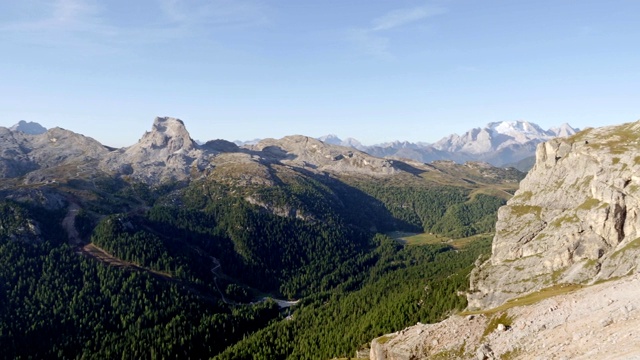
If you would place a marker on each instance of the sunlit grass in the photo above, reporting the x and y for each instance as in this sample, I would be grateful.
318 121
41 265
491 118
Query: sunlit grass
413 239
529 299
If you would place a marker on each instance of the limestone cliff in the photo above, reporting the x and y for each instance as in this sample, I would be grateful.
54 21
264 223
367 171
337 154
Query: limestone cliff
166 153
572 224
574 218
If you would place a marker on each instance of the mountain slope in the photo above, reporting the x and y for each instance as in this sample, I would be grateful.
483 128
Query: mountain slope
597 322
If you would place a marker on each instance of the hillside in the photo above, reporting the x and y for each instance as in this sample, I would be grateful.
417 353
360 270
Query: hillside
169 247
596 322
562 277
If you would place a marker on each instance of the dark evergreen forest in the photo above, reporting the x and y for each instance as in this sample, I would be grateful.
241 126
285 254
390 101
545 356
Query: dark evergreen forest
191 268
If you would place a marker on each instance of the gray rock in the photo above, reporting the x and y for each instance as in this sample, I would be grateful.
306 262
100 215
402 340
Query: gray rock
31 128
571 221
484 352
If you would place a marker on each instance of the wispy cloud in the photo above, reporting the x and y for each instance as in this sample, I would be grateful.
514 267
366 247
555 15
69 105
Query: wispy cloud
402 17
374 39
214 12
61 15
91 20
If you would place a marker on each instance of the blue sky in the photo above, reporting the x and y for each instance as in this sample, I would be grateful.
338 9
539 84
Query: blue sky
376 70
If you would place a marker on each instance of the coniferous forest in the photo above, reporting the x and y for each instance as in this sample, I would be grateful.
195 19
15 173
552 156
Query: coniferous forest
194 270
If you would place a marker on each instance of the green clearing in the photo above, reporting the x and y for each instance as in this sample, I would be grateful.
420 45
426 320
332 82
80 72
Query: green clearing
414 239
529 299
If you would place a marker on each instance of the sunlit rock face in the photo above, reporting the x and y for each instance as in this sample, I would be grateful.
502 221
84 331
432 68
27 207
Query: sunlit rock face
574 218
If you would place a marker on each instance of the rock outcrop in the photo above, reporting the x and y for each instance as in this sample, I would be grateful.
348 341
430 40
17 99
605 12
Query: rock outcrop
596 322
55 154
563 278
303 151
166 153
574 218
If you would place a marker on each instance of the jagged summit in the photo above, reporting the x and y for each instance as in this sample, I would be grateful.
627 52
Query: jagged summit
499 143
564 130
517 127
169 133
167 152
31 128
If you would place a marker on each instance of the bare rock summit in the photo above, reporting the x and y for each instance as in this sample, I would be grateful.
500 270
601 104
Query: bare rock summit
31 128
166 153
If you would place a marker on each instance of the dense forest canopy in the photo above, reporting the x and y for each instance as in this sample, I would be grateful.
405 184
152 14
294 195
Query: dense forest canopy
187 270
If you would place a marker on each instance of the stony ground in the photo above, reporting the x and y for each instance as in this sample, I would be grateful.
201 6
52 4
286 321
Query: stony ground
597 322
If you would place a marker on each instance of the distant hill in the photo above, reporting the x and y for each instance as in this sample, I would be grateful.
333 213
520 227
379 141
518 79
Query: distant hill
31 128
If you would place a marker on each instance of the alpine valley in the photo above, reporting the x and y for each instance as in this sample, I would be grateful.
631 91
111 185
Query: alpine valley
297 248
282 249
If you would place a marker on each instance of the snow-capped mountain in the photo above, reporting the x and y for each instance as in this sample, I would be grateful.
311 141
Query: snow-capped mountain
497 136
498 143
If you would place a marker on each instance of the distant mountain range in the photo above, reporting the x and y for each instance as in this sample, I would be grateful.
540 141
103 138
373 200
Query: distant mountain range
506 143
502 144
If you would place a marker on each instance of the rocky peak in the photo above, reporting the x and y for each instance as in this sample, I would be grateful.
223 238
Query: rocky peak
31 128
169 133
574 219
564 130
166 153
518 128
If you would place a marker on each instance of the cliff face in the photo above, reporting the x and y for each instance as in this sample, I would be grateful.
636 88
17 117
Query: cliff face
574 218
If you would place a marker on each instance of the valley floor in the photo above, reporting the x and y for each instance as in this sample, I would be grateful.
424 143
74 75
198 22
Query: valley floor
596 322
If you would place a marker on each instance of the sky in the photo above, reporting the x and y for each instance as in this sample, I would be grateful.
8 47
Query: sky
374 70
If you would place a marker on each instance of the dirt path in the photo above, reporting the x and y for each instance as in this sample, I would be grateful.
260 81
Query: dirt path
103 256
214 270
69 225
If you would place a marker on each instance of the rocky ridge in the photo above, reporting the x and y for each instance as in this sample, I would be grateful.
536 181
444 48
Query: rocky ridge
167 153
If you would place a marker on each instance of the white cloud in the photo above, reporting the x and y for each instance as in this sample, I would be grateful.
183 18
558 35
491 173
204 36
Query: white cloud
372 39
61 15
214 12
69 11
402 17
88 21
